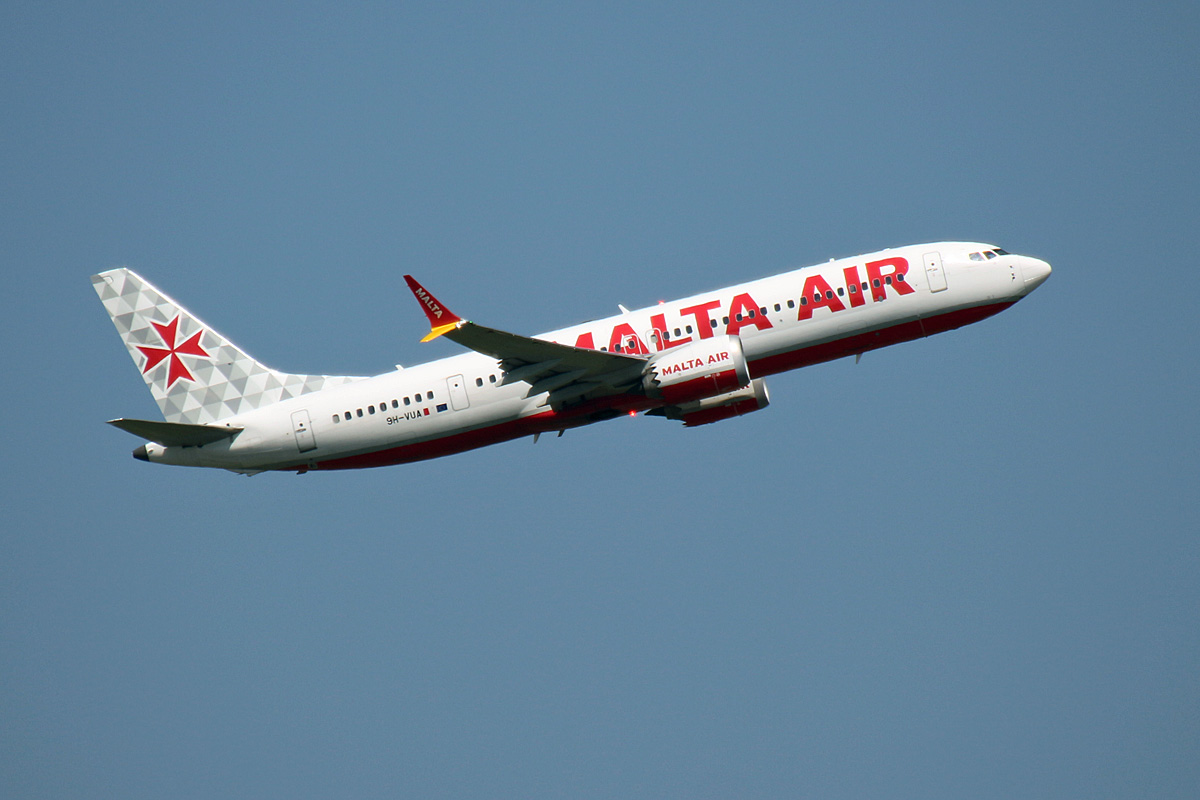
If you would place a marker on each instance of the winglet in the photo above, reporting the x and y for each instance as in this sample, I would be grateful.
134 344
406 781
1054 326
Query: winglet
441 319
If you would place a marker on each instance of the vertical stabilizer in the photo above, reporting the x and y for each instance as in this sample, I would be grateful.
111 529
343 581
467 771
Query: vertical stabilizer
195 374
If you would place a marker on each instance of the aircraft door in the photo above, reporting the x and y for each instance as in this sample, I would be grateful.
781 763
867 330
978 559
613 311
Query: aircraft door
934 272
458 392
302 428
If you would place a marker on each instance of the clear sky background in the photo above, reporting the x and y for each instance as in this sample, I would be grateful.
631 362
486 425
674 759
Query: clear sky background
967 567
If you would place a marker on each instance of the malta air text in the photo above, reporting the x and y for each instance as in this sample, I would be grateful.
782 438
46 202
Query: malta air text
851 287
694 363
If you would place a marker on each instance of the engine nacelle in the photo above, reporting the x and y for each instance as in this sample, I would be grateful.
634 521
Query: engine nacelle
698 370
727 406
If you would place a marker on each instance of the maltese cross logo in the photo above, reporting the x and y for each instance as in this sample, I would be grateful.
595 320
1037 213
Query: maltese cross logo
156 355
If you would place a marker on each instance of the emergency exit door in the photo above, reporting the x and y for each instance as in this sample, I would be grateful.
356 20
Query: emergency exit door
302 428
934 272
458 392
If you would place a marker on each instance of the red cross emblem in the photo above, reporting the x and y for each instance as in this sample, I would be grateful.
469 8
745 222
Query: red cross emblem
155 355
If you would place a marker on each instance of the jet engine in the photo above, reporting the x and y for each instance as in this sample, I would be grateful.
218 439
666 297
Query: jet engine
724 406
698 370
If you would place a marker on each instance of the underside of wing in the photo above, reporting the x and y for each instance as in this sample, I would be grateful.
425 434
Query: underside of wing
568 373
548 366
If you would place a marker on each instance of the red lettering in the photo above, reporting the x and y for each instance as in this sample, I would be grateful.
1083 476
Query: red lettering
818 294
700 314
586 341
659 323
856 296
745 305
878 278
624 339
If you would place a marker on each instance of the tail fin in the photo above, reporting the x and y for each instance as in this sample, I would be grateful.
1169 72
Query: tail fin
196 375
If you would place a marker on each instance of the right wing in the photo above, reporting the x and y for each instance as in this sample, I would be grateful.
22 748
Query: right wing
568 373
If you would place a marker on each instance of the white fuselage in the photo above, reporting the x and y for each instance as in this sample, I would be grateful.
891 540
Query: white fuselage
801 317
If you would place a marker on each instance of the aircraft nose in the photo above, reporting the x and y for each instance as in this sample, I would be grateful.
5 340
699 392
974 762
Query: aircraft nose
1035 272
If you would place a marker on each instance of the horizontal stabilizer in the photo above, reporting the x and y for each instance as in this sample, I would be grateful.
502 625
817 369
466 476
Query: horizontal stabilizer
175 434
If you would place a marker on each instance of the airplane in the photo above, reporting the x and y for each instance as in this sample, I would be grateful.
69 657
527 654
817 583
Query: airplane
699 360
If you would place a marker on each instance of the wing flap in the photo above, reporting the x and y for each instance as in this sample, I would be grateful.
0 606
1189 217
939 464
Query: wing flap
175 434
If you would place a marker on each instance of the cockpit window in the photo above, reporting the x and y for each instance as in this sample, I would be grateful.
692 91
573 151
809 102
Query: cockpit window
988 255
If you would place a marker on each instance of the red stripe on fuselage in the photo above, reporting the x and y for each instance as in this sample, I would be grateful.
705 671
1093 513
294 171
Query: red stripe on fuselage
444 446
543 422
873 340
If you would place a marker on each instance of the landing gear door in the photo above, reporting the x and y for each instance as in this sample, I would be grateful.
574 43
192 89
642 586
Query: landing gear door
302 428
934 272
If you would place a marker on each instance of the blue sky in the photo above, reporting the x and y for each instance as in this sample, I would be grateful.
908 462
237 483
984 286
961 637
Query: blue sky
964 567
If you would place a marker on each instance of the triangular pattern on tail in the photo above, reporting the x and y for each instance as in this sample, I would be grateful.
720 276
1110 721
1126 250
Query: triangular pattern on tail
196 375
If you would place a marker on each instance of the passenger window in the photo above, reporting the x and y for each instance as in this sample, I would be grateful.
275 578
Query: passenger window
395 403
370 409
841 292
888 280
853 288
804 300
677 333
763 310
347 416
876 282
739 316
492 378
689 328
900 277
777 308
408 401
829 294
791 303
714 322
337 418
479 381
724 320
359 411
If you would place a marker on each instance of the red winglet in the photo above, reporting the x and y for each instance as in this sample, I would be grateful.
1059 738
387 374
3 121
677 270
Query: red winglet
441 319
